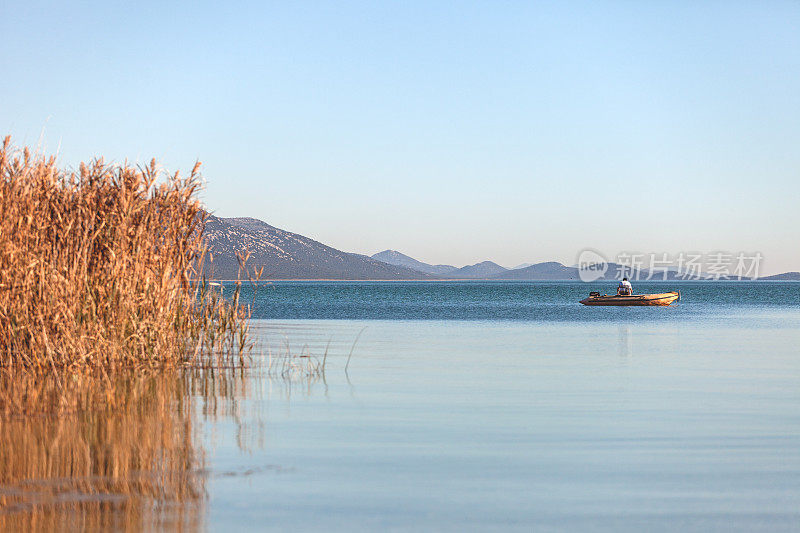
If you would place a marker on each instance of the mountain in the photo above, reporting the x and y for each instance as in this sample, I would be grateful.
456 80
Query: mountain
642 275
543 271
786 276
522 265
393 257
552 270
286 255
485 269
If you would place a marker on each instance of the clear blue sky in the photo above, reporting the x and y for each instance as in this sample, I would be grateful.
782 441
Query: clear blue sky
454 132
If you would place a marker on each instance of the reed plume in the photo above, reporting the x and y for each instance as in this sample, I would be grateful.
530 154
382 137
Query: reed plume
102 268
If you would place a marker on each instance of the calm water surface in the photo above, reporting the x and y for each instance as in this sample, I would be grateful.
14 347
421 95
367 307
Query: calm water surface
486 406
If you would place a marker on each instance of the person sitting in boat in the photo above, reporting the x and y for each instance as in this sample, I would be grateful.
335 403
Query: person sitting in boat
625 288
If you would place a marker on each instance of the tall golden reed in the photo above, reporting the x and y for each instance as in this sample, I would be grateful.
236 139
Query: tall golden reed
101 268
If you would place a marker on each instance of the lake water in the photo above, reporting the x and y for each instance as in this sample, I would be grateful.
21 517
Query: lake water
465 406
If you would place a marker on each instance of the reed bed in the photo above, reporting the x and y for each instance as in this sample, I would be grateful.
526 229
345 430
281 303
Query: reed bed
101 268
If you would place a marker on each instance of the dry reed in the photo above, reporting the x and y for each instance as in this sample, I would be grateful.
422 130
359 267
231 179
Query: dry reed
102 268
290 366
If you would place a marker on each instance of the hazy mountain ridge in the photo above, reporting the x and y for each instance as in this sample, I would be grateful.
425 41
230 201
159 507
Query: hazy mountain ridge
393 257
484 269
541 271
553 270
549 270
286 255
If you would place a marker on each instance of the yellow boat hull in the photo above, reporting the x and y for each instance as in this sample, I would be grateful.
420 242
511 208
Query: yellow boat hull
664 298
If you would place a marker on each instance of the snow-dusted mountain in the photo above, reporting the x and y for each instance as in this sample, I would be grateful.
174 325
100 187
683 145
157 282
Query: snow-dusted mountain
286 255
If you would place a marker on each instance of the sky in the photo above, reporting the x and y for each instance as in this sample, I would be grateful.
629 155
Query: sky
454 132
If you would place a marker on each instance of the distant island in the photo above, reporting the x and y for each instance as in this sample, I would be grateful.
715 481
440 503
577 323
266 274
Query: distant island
286 255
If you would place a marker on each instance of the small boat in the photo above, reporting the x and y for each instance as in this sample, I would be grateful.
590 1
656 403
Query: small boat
664 298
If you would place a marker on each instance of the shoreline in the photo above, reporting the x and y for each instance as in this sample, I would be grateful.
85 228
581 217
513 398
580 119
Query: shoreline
517 280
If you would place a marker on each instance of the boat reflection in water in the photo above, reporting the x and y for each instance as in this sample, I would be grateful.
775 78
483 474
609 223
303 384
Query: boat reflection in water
66 464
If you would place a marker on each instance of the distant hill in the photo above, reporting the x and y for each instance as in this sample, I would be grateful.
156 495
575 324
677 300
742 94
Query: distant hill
540 271
393 257
786 276
286 255
485 269
553 270
522 265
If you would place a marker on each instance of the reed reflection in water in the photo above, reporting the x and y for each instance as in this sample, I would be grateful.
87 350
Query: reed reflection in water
72 461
